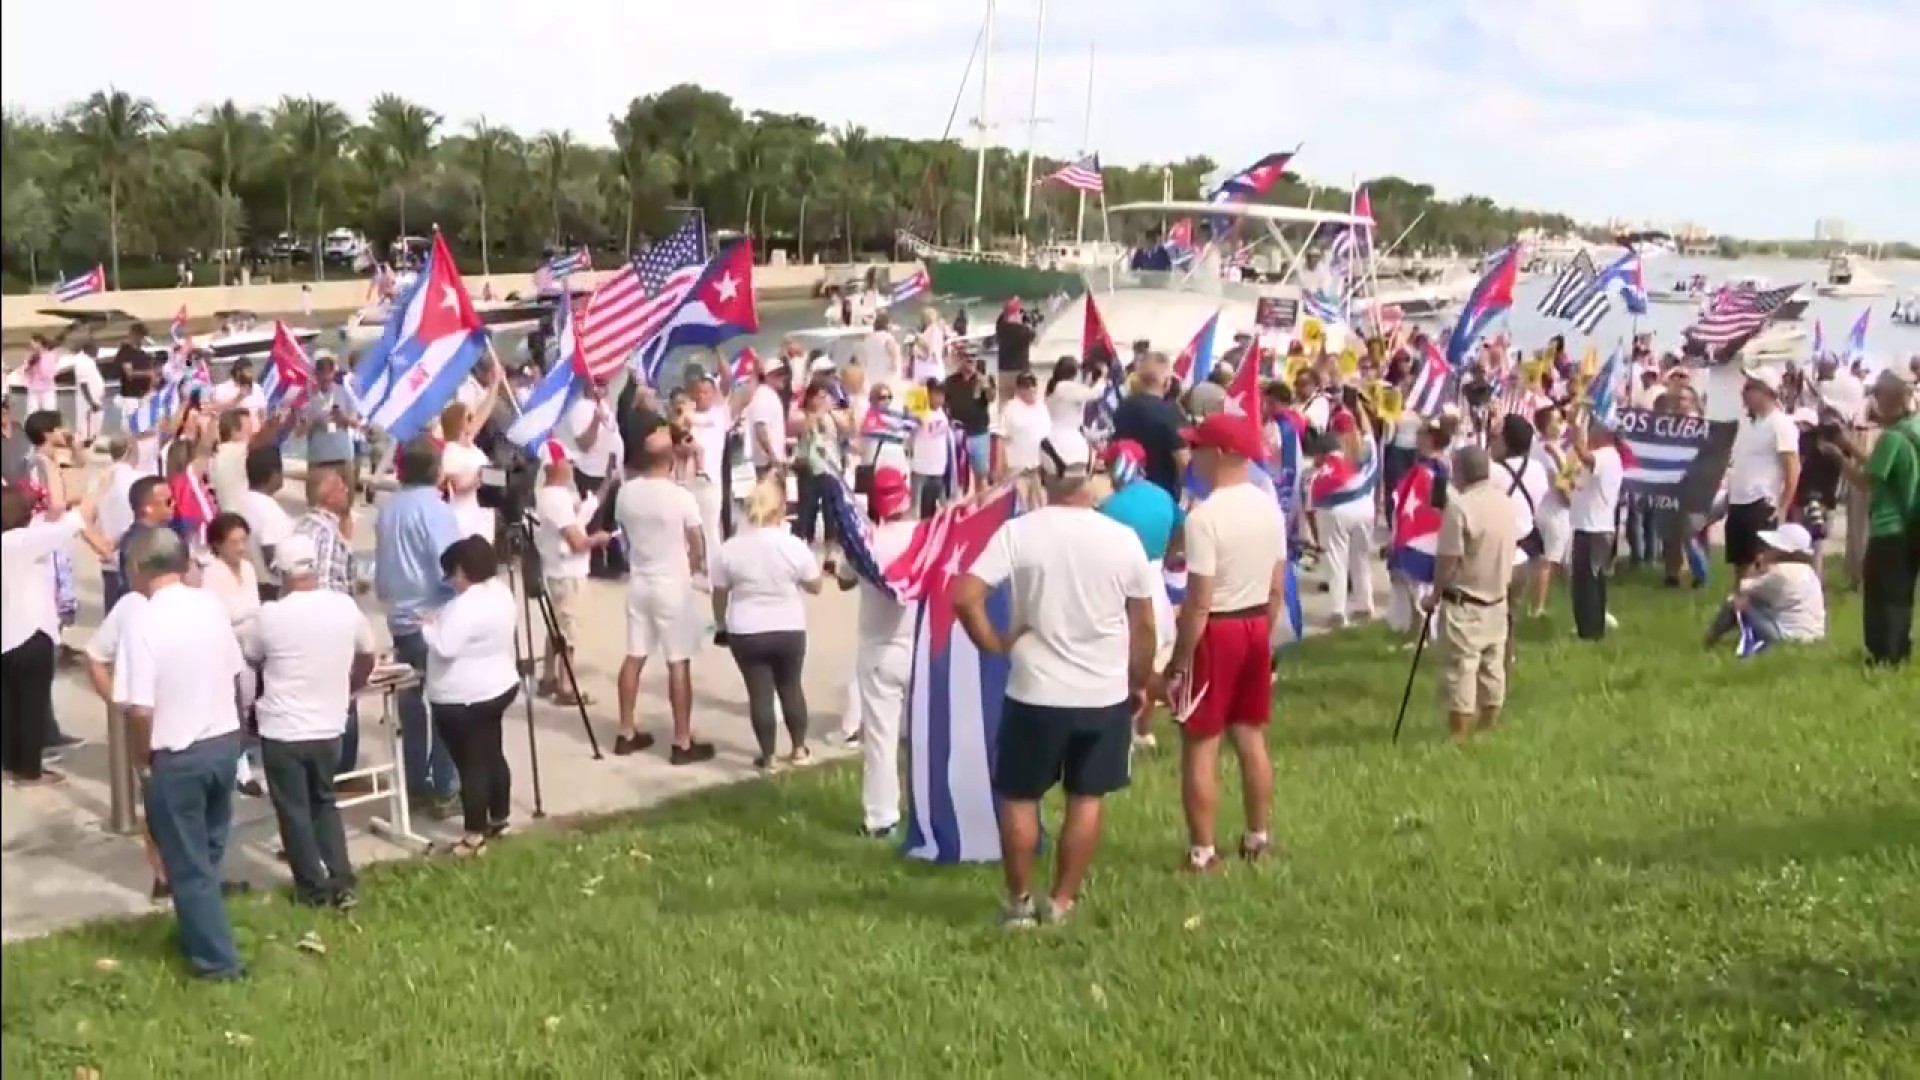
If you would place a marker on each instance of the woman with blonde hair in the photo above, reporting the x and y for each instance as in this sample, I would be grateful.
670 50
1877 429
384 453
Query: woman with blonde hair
760 573
460 465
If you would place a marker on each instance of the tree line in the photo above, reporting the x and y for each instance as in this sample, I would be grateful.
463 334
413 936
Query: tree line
113 180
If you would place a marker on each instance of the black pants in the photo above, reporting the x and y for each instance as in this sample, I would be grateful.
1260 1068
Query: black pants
609 561
1643 535
1591 563
26 705
300 783
770 664
1887 593
811 516
474 739
1745 522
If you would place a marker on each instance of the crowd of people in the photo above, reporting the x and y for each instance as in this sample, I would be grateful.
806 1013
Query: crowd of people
233 644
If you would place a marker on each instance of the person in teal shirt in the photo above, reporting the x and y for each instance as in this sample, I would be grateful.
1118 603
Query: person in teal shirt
1139 503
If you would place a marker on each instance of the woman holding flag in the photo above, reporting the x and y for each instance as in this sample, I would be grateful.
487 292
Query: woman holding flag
1340 494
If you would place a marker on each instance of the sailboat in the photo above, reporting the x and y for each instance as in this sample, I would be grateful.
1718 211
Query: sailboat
1049 270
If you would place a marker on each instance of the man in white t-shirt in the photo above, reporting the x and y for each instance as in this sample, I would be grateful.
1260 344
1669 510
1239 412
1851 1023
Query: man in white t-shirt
268 523
765 418
667 549
1081 647
566 543
591 436
1022 425
1593 517
317 647
929 449
1220 676
1763 470
884 657
90 396
1521 477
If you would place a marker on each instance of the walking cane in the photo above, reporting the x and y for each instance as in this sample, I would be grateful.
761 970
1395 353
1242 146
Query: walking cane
1426 628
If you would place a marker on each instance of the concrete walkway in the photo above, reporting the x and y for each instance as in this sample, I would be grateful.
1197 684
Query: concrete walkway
59 866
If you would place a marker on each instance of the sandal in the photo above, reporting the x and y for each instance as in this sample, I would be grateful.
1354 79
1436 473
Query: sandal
800 756
567 699
465 848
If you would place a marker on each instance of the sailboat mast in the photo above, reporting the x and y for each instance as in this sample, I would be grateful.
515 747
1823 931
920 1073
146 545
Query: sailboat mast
1033 127
1086 136
986 97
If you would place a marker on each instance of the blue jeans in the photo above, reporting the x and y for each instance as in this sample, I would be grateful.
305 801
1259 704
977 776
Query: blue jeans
1765 627
430 768
980 456
189 808
350 741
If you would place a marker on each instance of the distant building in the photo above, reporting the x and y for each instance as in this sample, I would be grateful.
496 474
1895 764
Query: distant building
1831 231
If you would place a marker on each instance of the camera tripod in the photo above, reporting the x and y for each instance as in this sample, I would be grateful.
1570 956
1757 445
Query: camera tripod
522 559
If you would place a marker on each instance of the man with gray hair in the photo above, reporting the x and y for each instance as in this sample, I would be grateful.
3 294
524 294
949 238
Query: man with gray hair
180 675
1081 645
1148 418
1474 565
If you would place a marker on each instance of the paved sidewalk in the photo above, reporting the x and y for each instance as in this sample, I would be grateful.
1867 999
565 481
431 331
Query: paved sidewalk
60 867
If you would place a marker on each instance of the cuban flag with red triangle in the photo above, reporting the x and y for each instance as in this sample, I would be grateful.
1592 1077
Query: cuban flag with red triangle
441 340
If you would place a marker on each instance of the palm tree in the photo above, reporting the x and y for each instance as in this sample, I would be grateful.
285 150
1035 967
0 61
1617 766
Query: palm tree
487 151
114 128
856 177
403 133
229 137
555 149
809 168
320 130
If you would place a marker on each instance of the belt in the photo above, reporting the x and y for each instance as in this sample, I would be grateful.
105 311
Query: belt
1257 612
1455 596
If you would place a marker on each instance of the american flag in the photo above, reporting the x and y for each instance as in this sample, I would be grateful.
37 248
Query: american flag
629 307
550 275
1573 282
1081 175
1737 314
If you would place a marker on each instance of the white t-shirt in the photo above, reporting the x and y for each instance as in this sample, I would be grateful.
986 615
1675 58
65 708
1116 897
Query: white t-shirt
933 364
1596 498
470 645
86 372
606 442
1529 495
709 429
556 507
1236 536
308 640
27 604
656 515
179 658
1845 394
458 460
113 510
1067 404
883 618
1754 473
1073 571
267 525
1024 425
1791 593
1406 430
931 444
764 411
761 569
240 592
105 644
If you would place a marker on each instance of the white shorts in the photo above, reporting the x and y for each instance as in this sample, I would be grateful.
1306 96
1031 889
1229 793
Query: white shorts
662 620
1556 537
1164 626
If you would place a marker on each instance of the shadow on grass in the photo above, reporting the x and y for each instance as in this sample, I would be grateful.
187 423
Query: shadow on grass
1879 995
1856 833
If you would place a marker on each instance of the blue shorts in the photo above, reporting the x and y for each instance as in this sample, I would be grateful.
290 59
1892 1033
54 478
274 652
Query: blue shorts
1087 751
980 453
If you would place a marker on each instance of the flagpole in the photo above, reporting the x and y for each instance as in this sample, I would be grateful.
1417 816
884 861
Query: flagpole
980 157
1086 137
1033 128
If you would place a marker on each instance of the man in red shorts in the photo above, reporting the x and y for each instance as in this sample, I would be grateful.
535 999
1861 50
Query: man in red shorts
1221 673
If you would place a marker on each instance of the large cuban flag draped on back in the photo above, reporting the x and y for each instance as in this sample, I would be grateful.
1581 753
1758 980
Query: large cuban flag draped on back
441 339
718 308
953 705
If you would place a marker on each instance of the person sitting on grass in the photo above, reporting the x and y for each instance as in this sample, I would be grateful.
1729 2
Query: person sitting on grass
1783 601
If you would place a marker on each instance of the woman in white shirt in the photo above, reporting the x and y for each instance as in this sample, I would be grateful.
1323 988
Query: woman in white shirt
1551 515
1068 396
1025 423
1784 602
761 572
460 465
29 628
230 576
471 680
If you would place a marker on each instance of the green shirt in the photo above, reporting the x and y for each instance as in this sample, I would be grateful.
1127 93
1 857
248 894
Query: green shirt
1894 503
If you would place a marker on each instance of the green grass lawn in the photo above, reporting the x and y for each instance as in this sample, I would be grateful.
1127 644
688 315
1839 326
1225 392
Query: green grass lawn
1668 863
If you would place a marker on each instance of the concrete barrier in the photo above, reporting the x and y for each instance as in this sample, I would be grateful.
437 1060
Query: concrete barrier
344 294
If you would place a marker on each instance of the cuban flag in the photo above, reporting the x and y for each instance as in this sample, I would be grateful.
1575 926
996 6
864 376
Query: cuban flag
1416 524
555 391
68 290
1603 396
888 425
373 375
1338 481
1491 298
718 308
1325 307
1857 337
954 700
177 331
1431 382
550 276
1195 362
916 284
1626 275
158 407
1253 181
288 373
746 364
441 339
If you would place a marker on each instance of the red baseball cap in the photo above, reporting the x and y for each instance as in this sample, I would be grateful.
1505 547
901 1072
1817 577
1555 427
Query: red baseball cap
1229 434
891 492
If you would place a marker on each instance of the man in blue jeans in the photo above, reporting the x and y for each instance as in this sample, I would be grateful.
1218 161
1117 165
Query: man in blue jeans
413 528
183 682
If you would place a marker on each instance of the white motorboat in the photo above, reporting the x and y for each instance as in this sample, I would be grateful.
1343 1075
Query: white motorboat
1790 311
1846 278
101 330
1168 309
1689 292
366 326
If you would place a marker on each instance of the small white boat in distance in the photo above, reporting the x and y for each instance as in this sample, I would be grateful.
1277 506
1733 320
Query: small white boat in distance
1845 278
1690 292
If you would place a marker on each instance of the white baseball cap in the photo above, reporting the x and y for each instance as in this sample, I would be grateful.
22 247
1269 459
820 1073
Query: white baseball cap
1789 539
296 555
1063 453
1767 377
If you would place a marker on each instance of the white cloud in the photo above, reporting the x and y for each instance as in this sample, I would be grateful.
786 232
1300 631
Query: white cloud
1595 108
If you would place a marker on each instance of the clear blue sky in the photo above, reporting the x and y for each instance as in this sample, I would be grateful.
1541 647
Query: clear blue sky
1753 117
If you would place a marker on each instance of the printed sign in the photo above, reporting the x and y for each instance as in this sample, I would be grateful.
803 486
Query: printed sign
1672 462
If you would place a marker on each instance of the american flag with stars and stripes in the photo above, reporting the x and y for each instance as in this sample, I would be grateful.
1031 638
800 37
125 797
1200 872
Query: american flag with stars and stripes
629 307
1081 175
1737 314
